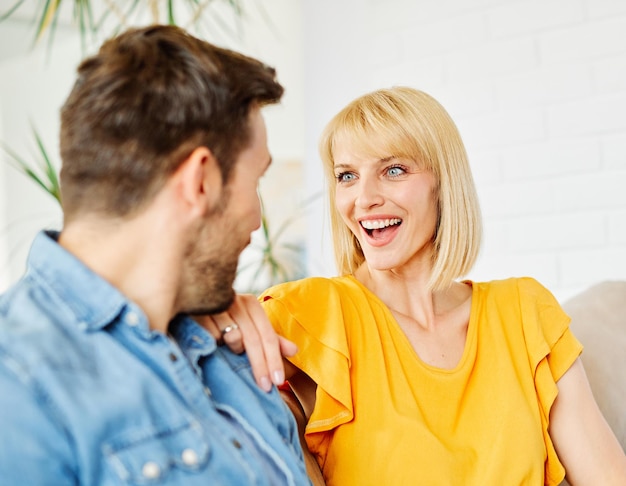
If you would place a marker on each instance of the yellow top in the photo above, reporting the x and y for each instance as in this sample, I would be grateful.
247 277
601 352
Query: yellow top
383 416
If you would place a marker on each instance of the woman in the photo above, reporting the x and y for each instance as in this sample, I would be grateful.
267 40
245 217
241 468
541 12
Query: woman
421 378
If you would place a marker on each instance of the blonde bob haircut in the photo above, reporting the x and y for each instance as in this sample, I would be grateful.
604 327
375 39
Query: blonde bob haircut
406 123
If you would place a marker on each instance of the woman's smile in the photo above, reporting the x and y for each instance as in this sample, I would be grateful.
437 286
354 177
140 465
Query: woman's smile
380 231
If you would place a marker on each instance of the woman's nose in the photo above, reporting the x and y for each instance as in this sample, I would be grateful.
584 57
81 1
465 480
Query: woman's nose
369 194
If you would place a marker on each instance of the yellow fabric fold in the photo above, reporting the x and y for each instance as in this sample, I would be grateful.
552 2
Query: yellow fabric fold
552 349
306 312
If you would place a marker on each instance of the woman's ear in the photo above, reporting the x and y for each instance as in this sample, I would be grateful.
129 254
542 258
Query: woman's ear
199 181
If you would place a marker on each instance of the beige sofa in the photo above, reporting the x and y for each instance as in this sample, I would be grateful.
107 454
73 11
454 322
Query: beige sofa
599 322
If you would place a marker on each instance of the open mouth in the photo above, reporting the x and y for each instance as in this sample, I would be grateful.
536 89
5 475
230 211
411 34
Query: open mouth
375 228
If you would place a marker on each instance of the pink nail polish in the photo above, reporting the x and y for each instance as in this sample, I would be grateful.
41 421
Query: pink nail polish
266 384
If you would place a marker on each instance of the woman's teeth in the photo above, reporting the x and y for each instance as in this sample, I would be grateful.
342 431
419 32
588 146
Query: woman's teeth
373 224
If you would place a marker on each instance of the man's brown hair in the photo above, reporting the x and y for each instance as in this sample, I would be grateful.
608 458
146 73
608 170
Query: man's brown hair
142 104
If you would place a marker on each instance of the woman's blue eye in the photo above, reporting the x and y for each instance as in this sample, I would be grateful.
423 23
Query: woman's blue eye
395 171
345 177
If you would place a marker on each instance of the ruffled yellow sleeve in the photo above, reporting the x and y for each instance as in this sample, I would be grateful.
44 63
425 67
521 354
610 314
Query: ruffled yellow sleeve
552 349
312 313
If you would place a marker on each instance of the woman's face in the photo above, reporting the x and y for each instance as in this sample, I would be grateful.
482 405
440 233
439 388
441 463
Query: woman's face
390 205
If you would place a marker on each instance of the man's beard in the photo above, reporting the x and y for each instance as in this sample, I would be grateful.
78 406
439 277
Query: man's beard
213 290
211 262
209 281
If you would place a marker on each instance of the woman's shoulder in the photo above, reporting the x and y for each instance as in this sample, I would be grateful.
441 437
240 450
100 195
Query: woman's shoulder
311 287
512 286
526 299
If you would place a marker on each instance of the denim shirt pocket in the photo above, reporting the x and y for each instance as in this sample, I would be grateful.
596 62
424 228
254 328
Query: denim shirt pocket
151 455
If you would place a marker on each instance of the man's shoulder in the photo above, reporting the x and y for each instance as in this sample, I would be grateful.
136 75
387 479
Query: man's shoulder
34 328
25 305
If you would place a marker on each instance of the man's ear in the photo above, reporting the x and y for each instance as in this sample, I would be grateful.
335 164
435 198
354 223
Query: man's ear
199 181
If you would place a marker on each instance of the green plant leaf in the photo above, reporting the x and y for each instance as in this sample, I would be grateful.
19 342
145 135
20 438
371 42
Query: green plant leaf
11 11
52 179
170 12
42 172
47 16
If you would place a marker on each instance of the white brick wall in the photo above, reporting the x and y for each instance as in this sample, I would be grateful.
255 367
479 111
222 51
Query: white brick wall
538 90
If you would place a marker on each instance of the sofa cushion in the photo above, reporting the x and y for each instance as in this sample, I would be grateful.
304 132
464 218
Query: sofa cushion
599 322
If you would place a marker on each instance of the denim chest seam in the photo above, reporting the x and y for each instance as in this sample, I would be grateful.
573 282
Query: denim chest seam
259 440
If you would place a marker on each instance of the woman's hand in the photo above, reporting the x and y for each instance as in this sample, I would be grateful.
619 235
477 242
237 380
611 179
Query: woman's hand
245 327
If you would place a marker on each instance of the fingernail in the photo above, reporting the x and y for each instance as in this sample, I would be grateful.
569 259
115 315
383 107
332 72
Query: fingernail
279 377
266 384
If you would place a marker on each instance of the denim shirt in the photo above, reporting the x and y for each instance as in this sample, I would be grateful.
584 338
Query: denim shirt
90 395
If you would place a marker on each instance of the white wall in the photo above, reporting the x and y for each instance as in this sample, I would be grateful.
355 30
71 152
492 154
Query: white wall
32 87
538 90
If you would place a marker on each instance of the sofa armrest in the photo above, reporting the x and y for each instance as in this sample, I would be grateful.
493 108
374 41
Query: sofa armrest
599 322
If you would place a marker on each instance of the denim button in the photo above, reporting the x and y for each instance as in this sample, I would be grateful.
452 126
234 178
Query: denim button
190 457
132 318
151 470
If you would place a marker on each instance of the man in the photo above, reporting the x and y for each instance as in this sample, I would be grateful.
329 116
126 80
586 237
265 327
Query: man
104 377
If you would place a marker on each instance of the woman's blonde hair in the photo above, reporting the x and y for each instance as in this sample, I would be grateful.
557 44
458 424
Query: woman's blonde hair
407 123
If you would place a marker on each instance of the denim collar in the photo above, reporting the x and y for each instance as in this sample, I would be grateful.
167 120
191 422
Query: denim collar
93 300
195 341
